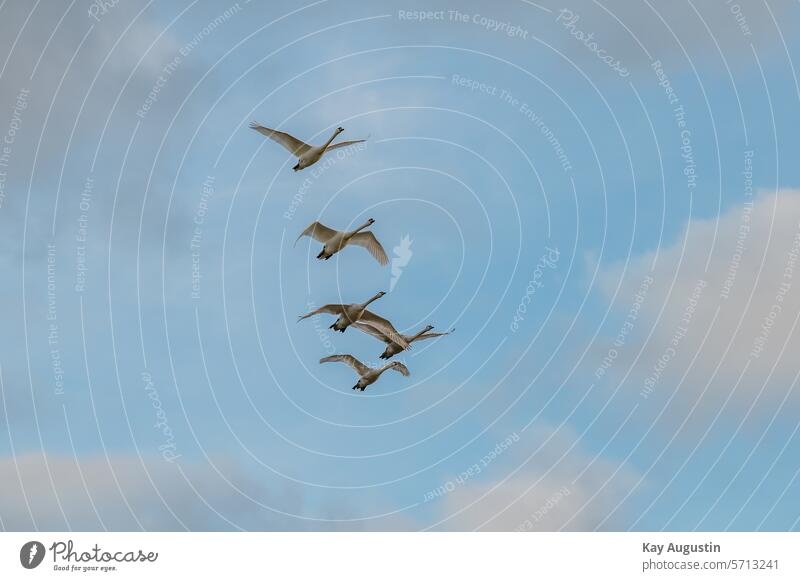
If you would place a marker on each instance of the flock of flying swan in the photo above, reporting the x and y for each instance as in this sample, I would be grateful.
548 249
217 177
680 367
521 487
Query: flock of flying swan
334 241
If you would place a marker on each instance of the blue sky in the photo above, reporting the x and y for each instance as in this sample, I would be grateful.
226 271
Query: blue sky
555 206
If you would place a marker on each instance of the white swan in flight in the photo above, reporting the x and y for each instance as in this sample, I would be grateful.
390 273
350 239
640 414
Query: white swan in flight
306 154
353 313
334 241
393 348
368 375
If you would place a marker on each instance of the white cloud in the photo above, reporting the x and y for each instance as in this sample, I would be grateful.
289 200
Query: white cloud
562 487
93 493
122 492
745 315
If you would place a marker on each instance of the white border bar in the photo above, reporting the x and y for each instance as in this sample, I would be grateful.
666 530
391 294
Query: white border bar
411 556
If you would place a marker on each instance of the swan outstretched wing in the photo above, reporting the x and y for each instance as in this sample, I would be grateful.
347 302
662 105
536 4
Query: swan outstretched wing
318 232
384 327
332 309
433 335
294 145
359 367
344 144
370 330
368 241
400 368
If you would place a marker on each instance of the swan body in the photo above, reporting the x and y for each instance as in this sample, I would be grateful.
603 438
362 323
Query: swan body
353 313
367 375
393 348
306 154
334 240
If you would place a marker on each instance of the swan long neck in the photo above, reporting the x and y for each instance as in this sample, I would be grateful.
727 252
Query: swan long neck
418 335
327 143
372 300
366 224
